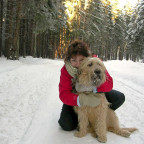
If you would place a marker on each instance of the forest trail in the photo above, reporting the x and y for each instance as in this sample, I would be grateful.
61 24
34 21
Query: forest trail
30 105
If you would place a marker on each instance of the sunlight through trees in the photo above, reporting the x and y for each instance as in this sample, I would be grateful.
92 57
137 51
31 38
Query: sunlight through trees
44 28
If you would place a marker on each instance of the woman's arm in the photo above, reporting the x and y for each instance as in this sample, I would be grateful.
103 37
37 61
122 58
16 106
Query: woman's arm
106 86
65 89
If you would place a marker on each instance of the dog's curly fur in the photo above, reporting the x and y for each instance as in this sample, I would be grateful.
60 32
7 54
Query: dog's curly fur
100 119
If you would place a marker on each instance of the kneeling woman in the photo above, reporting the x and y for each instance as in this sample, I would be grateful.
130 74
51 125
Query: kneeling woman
76 52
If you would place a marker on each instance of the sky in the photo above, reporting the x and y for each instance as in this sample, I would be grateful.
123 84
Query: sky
71 6
123 2
30 106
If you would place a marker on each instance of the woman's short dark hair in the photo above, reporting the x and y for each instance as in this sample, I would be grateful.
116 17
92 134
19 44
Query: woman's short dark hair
77 47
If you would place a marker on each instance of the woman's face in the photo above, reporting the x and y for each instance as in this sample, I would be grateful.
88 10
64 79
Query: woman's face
76 60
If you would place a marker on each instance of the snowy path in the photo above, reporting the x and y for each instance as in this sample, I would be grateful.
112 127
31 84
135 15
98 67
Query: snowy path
30 106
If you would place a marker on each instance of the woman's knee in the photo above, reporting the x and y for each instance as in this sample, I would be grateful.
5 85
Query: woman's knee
116 99
122 98
68 118
67 126
119 102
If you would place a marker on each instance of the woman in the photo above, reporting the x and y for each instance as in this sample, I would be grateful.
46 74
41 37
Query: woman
76 52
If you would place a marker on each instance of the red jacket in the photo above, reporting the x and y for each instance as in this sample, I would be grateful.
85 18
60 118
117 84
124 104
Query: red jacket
65 88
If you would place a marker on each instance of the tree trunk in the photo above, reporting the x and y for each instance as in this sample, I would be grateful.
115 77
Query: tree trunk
118 51
134 58
24 39
120 55
16 33
47 36
38 45
4 26
23 33
127 56
1 25
33 35
9 29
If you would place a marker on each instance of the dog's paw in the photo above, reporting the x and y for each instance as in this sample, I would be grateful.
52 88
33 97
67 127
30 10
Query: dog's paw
125 133
102 139
79 134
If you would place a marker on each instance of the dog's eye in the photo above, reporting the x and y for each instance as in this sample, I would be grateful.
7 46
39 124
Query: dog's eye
90 64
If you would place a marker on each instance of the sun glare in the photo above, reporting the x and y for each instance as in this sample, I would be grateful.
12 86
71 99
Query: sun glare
121 6
118 6
123 3
72 6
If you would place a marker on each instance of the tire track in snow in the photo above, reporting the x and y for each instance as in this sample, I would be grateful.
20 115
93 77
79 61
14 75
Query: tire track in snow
24 101
50 76
131 111
129 87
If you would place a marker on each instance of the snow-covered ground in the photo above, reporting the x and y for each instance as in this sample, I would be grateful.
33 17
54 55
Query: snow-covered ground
30 104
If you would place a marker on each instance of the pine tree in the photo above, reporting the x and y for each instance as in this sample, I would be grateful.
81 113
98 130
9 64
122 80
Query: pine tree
135 32
139 37
1 24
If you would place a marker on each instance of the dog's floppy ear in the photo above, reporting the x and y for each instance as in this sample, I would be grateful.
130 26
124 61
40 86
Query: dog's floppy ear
84 61
81 66
80 69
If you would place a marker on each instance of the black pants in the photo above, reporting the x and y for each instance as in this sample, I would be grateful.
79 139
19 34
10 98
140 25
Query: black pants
69 120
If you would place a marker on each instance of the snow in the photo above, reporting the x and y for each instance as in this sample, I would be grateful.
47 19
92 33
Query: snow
30 106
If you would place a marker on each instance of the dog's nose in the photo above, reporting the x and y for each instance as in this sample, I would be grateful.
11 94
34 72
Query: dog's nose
97 71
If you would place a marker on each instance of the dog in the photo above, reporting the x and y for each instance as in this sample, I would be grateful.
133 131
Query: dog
99 119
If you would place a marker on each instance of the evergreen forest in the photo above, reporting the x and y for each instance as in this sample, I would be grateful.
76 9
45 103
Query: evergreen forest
44 28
